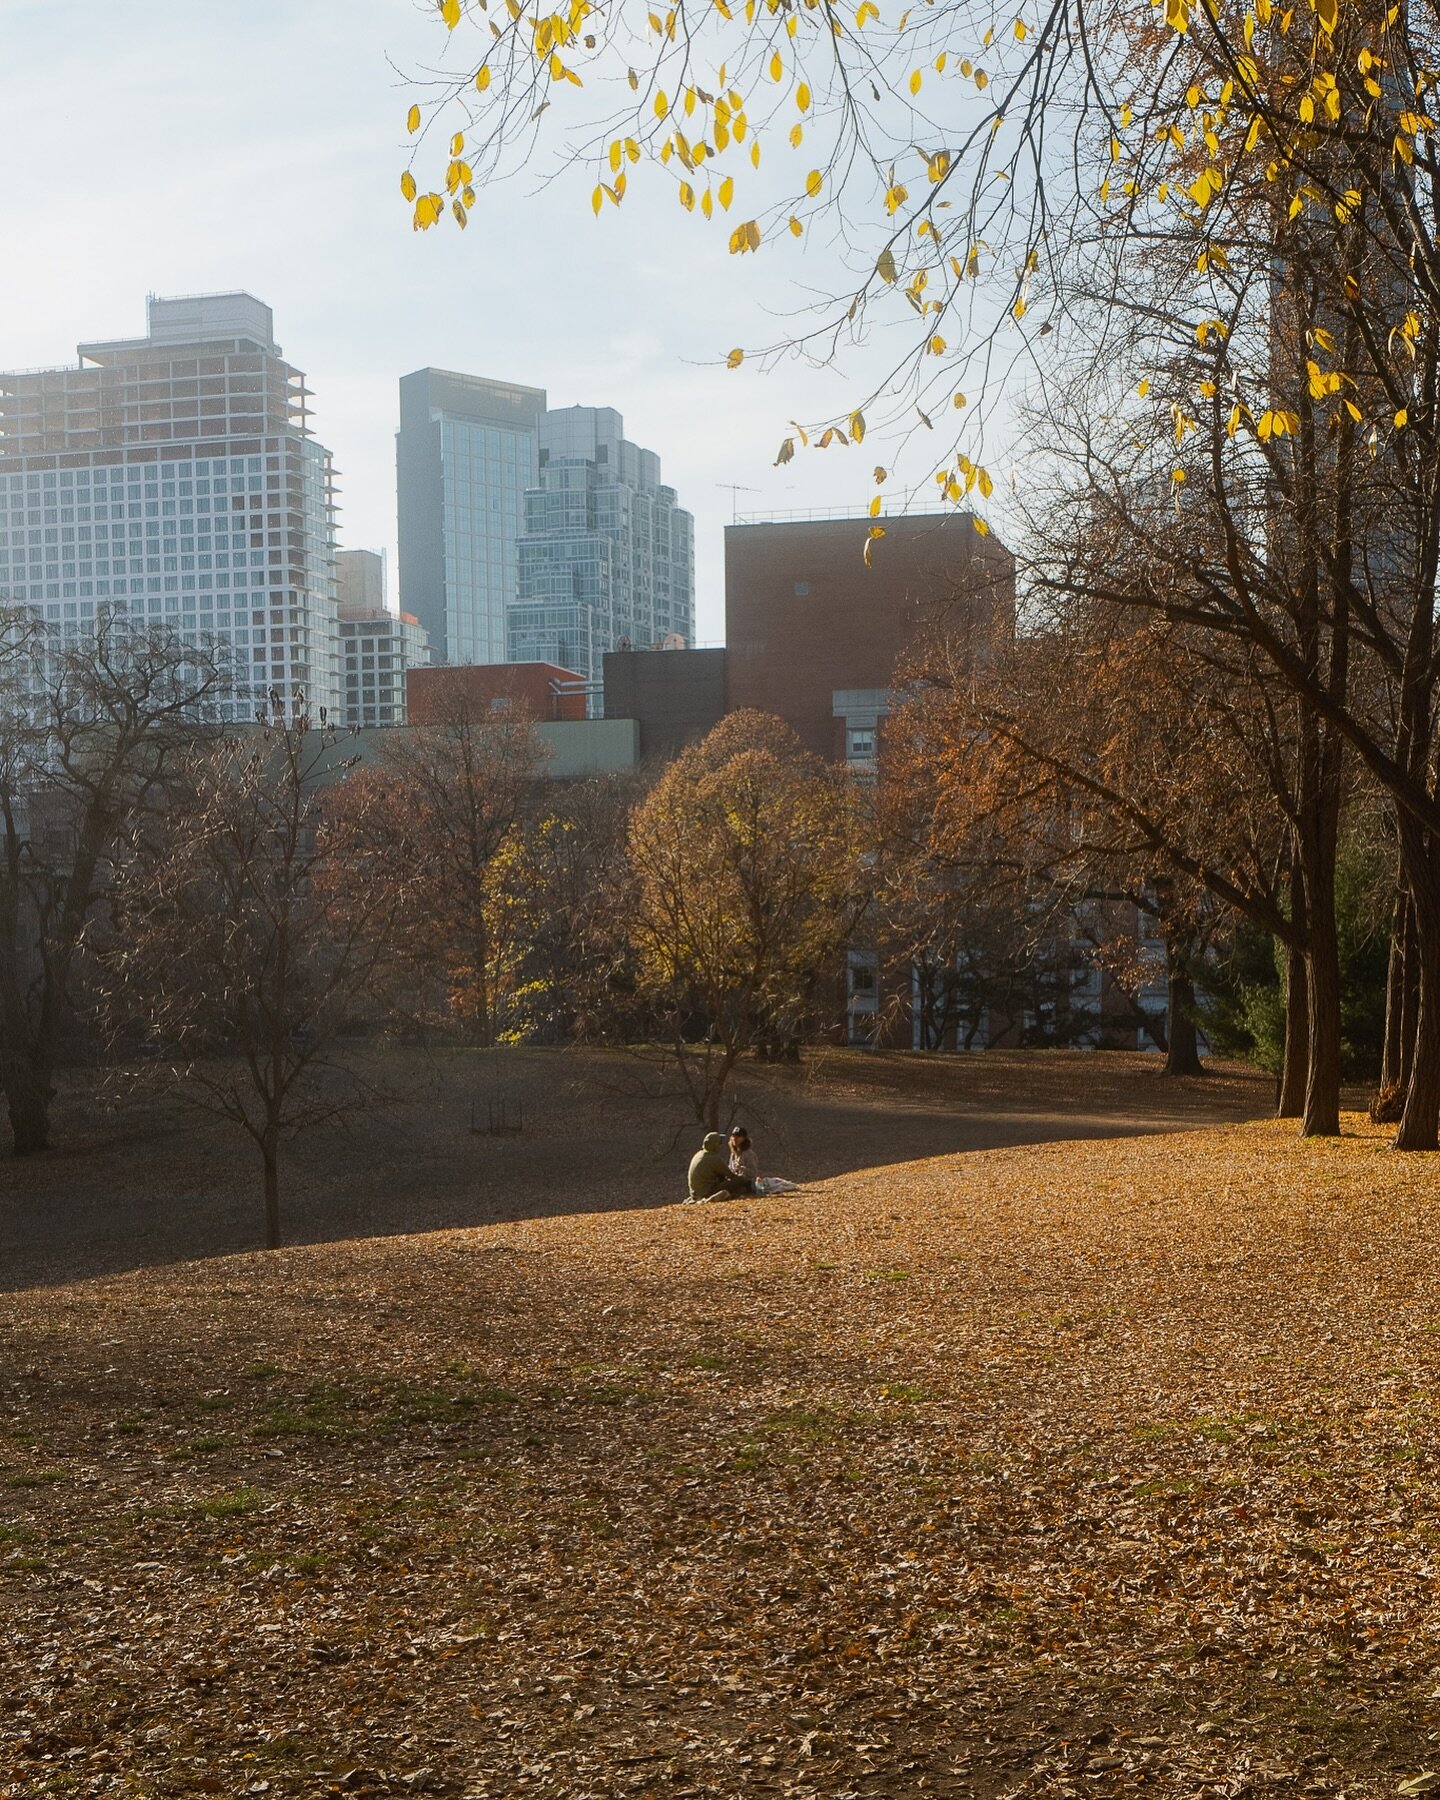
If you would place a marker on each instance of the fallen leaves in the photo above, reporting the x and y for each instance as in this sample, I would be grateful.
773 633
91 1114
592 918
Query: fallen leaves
1127 1486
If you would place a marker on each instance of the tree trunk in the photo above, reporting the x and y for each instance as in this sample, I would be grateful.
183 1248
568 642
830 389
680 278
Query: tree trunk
1321 1117
28 1094
1420 1121
1182 1051
1290 1103
269 1150
1394 1063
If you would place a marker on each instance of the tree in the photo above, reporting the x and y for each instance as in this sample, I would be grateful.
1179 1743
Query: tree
565 896
253 925
746 861
1283 157
438 812
89 729
1117 765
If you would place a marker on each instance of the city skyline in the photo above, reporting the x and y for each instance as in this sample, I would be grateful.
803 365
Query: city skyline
300 203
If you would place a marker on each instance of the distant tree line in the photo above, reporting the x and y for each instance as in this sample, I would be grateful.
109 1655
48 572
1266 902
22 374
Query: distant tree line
235 909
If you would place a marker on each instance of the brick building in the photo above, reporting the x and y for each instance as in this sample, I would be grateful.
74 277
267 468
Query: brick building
546 691
816 635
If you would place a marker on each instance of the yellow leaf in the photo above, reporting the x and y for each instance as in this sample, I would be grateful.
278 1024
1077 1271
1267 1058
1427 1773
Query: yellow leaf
802 97
482 80
662 105
407 185
707 202
1018 309
450 12
987 486
727 192
796 228
1143 389
937 346
1402 419
1328 13
597 199
457 143
1177 14
1019 31
915 79
875 507
462 218
734 359
857 426
960 401
797 136
881 476
777 68
981 527
412 120
885 266
813 183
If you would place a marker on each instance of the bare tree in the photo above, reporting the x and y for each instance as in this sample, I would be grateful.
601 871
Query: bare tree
253 925
438 811
89 730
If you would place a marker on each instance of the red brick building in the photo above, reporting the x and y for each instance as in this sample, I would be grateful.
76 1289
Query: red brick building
544 690
816 635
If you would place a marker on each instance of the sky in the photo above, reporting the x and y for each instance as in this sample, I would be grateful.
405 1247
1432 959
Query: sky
190 146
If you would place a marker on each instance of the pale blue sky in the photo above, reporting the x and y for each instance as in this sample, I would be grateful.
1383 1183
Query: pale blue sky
183 146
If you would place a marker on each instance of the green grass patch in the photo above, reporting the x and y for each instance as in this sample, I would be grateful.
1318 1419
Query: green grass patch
34 1478
230 1505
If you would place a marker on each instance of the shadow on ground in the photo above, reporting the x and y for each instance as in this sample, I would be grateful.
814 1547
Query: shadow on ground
153 1181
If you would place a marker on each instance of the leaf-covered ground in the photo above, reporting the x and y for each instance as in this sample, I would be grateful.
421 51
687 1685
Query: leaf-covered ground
1077 1468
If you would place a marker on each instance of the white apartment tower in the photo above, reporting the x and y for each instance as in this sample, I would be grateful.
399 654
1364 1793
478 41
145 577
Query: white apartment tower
174 478
378 646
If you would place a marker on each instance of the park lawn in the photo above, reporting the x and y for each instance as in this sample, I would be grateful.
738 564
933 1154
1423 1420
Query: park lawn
1073 1468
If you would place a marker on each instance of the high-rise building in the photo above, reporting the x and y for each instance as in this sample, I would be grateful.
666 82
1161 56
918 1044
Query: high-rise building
174 478
379 647
607 559
467 453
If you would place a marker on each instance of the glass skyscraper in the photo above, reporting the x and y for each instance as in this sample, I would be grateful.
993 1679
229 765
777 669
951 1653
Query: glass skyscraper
607 559
529 535
173 478
468 452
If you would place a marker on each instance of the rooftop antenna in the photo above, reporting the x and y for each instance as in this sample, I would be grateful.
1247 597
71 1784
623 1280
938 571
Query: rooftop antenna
735 490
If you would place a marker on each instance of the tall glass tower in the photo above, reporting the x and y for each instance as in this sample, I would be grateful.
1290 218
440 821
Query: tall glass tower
607 559
467 453
174 478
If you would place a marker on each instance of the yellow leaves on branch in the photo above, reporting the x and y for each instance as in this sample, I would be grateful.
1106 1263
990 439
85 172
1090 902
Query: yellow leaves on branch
412 120
735 358
745 237
450 13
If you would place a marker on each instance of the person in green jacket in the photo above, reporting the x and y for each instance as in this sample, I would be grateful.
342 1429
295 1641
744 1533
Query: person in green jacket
710 1176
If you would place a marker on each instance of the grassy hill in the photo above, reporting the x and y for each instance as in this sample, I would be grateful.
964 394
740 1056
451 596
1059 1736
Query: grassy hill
1076 1467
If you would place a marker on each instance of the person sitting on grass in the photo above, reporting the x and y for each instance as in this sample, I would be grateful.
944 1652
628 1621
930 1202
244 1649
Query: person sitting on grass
710 1177
743 1160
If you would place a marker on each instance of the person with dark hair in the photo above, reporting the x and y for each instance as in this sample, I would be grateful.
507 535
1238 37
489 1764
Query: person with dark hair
744 1163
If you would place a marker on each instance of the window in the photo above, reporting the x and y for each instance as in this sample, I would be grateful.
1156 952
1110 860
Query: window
801 589
860 743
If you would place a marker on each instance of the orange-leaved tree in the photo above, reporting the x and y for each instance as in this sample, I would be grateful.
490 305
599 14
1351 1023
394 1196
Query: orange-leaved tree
746 857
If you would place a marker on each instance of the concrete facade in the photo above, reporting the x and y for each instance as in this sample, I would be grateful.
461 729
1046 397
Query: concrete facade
675 696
